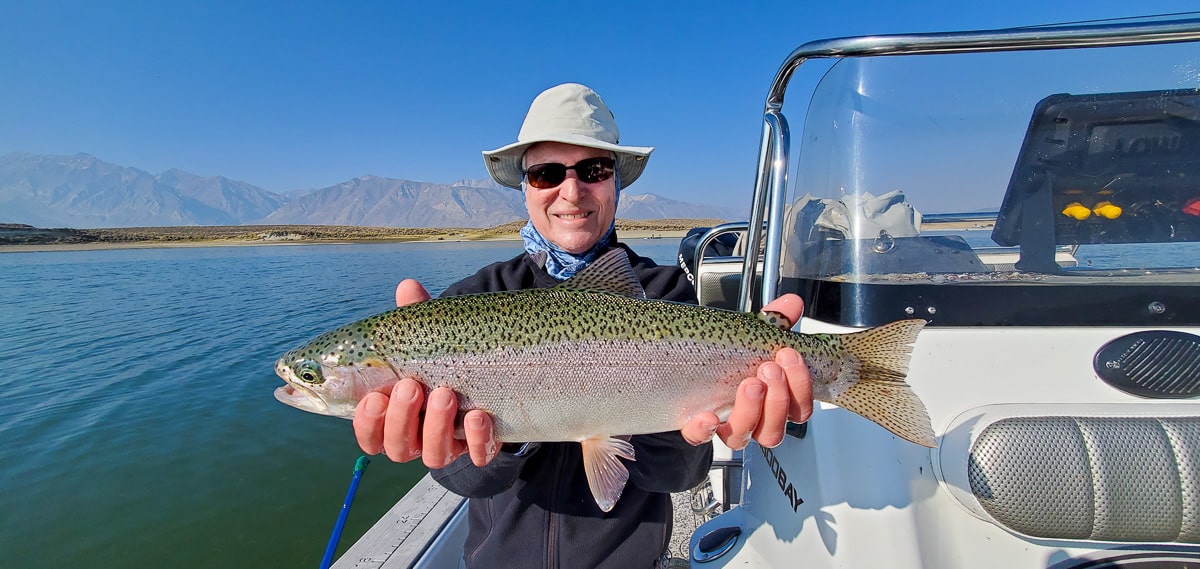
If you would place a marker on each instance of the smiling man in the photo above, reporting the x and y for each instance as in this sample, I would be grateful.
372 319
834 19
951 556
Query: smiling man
530 504
573 214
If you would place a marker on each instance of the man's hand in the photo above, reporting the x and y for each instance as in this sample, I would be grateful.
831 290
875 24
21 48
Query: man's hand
779 391
392 422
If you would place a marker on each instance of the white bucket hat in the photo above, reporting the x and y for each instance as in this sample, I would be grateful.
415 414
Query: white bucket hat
572 114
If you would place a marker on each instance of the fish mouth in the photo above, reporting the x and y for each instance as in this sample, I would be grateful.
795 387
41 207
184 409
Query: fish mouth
294 394
301 398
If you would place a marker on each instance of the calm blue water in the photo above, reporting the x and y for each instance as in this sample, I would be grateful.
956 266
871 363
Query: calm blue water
137 420
1108 256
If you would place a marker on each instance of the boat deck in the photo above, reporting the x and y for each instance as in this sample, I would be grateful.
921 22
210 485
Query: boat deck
423 529
410 531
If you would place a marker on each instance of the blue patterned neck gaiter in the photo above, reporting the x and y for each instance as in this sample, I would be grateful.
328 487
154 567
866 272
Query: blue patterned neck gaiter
561 264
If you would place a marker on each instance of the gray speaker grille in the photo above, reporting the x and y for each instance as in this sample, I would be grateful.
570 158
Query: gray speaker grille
1158 364
1127 479
1169 365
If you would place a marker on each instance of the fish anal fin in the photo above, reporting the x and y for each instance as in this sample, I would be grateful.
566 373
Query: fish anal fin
611 272
881 392
606 474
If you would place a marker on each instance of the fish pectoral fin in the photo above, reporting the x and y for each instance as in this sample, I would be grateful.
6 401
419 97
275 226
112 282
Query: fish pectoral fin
723 412
606 474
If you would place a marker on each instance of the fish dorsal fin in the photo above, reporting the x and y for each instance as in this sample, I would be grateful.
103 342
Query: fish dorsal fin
777 319
611 272
606 475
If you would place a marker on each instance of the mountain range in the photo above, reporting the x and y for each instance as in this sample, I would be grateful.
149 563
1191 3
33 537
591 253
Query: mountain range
83 191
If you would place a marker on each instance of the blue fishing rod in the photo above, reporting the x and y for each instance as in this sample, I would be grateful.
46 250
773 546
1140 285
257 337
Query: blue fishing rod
360 466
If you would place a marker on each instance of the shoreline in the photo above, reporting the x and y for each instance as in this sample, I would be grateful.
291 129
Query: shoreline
240 236
218 242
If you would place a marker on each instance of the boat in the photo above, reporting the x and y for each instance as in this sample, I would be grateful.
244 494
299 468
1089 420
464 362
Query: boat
1032 193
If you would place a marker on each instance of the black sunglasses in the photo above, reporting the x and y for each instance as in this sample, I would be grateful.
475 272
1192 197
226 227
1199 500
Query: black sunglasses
551 174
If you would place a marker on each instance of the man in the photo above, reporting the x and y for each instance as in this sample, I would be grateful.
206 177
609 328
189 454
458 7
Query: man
530 505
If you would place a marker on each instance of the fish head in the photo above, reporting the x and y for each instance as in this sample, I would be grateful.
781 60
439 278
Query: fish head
330 374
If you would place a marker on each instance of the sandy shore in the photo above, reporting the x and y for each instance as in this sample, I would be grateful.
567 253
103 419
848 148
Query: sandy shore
448 235
102 245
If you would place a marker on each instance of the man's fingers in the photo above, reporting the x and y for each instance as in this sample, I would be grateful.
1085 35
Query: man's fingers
368 422
700 429
438 446
747 408
789 305
481 444
409 291
773 421
402 421
799 382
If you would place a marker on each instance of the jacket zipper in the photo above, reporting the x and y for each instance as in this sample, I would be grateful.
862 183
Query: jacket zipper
552 517
487 505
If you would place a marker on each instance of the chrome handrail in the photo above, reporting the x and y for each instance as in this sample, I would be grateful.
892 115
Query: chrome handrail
1007 39
775 126
711 235
1010 39
757 209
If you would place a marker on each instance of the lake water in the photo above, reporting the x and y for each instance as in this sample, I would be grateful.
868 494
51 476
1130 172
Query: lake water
137 422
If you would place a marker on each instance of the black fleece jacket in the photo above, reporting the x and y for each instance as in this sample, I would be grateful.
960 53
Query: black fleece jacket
534 509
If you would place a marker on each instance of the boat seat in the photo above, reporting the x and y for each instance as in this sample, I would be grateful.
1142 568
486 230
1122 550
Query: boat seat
717 273
1115 479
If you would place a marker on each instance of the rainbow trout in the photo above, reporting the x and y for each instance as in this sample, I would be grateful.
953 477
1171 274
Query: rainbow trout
592 359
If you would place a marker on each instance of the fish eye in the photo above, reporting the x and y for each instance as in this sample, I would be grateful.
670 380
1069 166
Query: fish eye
310 372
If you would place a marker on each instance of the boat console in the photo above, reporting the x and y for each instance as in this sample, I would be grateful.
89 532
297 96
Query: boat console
1044 219
1102 169
1113 169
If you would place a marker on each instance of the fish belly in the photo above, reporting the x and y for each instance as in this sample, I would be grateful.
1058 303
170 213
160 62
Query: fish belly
574 390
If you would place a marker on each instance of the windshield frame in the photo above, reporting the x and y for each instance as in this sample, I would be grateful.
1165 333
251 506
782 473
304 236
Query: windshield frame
770 194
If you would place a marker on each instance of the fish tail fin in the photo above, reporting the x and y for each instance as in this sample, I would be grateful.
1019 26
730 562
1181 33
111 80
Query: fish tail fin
881 393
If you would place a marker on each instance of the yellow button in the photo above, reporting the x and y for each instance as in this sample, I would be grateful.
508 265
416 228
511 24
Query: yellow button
1107 210
1077 211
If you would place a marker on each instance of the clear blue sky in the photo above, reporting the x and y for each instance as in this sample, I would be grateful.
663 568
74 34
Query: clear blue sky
291 95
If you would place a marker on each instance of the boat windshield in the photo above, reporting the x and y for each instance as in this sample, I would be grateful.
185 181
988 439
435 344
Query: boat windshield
1014 188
